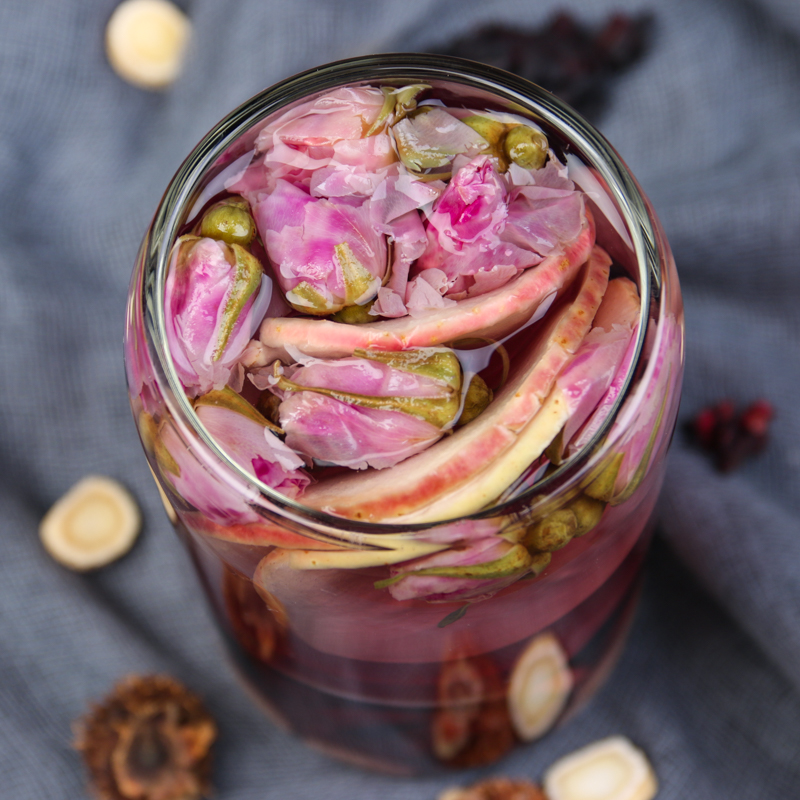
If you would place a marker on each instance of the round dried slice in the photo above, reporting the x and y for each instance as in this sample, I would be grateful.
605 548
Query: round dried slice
611 769
145 42
93 524
540 685
495 789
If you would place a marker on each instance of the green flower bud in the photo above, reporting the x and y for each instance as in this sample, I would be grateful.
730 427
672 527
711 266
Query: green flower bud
479 395
516 560
526 147
490 129
229 221
397 103
438 364
553 531
307 300
602 487
354 315
358 280
588 513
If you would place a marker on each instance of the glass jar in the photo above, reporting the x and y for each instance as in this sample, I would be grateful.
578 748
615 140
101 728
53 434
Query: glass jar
458 670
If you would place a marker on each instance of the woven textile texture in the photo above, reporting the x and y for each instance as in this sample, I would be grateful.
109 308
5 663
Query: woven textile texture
708 121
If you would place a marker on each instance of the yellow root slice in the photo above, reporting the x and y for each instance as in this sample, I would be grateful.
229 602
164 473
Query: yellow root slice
611 769
540 685
173 517
93 524
358 559
145 42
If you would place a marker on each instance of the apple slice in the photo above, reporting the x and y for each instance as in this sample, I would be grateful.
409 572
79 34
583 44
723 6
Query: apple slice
491 315
418 489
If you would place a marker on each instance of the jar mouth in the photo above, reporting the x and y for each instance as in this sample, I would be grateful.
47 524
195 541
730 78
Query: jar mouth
515 92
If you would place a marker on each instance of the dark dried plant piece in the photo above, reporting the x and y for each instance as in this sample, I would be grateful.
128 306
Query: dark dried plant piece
496 789
732 437
150 739
472 726
567 58
254 625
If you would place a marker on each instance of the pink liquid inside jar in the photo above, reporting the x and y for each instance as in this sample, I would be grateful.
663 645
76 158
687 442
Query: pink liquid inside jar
465 584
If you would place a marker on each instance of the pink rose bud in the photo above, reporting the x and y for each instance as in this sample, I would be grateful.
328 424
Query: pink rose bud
215 298
251 441
373 409
326 253
481 566
484 229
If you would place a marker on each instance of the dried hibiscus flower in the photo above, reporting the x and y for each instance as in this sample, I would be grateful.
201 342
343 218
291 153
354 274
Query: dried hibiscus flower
471 726
564 56
149 740
731 437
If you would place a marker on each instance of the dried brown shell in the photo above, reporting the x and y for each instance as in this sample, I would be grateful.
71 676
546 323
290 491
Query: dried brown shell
150 739
495 789
473 726
254 625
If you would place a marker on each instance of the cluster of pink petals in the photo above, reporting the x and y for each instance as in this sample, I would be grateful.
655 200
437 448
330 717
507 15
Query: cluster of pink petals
486 227
594 380
301 233
200 487
587 378
334 432
251 445
256 448
477 543
321 138
600 412
643 432
350 435
198 289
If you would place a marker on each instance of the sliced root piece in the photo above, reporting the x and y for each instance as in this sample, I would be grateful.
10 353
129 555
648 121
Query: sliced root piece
93 524
173 517
611 769
418 488
282 568
257 628
541 682
353 559
502 472
493 314
145 42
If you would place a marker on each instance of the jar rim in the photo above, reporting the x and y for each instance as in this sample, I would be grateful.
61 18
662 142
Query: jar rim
182 191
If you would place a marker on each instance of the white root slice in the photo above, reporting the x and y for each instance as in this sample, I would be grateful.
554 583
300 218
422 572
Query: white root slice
93 524
611 769
145 42
541 682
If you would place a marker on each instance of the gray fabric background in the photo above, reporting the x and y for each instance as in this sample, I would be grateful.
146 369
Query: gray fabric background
709 122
